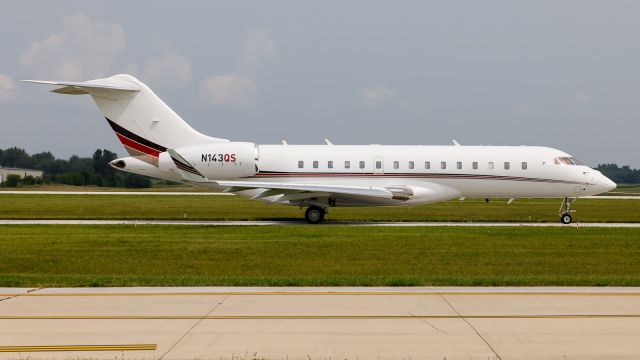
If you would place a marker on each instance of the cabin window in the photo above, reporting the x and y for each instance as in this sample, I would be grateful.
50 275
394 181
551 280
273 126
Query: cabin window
474 165
330 164
378 164
507 165
347 164
315 164
411 165
524 165
396 165
427 165
490 165
300 164
459 165
361 164
443 165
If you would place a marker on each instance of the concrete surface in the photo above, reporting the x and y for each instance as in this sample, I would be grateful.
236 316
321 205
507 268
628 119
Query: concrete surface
302 222
323 323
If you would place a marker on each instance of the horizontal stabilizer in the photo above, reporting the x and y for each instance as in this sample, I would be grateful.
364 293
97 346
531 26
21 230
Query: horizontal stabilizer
82 88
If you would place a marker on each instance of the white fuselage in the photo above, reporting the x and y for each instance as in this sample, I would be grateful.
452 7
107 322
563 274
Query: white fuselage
431 173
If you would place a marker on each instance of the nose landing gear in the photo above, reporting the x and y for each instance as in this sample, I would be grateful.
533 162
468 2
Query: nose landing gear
314 214
566 210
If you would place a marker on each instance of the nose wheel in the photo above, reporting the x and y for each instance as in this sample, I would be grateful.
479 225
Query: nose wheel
566 210
314 215
565 219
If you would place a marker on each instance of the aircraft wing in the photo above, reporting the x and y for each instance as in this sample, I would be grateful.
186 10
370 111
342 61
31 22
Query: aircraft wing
299 192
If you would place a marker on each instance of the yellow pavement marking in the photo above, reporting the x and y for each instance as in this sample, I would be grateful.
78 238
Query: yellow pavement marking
35 348
400 293
308 317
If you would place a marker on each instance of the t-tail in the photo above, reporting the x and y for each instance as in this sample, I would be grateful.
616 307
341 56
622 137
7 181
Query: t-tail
144 124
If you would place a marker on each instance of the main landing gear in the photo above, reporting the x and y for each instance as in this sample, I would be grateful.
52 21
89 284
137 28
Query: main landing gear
314 214
566 210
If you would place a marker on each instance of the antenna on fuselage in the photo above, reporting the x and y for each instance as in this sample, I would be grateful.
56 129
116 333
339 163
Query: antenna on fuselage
455 143
328 142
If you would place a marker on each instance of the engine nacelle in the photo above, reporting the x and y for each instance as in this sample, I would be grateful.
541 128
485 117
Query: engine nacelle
228 160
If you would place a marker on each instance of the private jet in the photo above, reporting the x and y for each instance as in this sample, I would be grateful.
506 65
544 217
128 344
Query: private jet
318 177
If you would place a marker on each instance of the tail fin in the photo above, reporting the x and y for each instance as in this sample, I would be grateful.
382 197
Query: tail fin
145 125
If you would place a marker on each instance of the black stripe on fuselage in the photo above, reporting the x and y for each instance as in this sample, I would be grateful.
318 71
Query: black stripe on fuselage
122 131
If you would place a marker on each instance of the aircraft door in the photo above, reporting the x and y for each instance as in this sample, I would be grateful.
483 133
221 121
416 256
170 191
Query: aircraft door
378 165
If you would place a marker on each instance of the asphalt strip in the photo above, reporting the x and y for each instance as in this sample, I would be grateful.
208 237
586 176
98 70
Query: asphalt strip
329 223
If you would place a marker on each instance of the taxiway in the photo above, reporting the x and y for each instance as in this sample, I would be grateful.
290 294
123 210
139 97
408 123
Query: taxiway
346 323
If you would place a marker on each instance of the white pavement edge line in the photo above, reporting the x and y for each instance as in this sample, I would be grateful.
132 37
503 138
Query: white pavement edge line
329 290
301 223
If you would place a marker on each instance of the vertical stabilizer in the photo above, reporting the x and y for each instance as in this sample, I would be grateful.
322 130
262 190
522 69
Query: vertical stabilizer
144 124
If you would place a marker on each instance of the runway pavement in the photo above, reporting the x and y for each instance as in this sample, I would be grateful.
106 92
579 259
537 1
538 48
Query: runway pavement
320 323
280 223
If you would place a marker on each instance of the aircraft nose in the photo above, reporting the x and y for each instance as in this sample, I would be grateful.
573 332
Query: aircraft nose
609 185
604 183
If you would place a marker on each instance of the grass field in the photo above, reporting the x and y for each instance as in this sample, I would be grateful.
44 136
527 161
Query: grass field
69 255
238 208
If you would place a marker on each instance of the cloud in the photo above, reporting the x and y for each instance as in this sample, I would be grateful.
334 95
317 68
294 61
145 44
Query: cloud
374 96
581 98
170 68
520 109
7 89
258 47
229 90
82 50
239 89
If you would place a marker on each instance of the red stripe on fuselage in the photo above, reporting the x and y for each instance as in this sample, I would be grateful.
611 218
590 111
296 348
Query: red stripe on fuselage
136 145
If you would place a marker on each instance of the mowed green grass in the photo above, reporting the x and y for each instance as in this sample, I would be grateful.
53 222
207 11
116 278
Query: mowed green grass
239 208
73 255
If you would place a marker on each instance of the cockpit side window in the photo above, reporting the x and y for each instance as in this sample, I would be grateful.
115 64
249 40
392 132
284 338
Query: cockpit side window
563 160
576 161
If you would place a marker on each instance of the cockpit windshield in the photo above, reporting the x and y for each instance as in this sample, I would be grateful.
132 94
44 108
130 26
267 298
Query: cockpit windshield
567 161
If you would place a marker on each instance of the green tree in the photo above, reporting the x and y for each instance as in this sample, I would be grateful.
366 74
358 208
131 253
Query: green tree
12 180
15 157
620 175
105 174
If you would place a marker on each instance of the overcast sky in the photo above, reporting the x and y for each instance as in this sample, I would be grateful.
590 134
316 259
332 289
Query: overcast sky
564 74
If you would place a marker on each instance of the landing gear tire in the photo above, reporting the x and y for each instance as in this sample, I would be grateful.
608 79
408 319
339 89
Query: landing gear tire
314 215
566 210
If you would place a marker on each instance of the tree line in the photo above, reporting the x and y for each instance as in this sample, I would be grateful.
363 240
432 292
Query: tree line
620 175
75 171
